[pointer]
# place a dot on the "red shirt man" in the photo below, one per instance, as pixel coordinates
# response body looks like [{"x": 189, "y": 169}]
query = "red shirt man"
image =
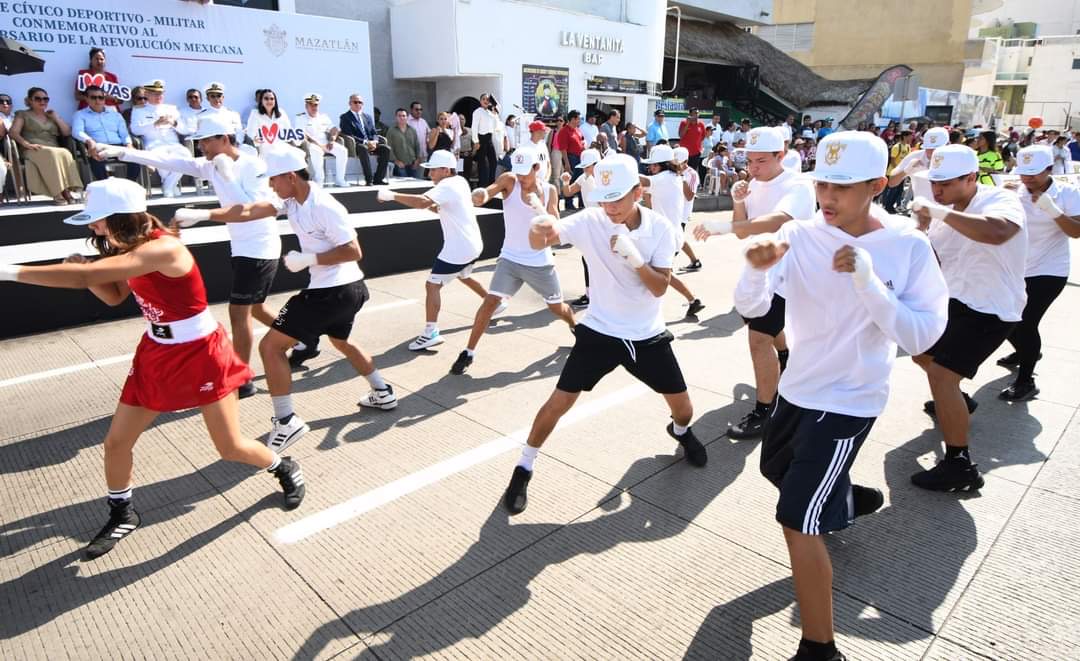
[
  {"x": 691, "y": 133},
  {"x": 570, "y": 139}
]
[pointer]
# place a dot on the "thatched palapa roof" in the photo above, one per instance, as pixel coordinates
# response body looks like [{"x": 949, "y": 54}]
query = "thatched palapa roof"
[{"x": 728, "y": 44}]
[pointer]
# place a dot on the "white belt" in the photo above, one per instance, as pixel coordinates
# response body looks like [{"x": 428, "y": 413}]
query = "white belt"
[{"x": 185, "y": 330}]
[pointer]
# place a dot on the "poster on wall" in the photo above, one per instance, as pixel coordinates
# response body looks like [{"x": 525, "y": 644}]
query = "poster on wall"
[
  {"x": 188, "y": 45},
  {"x": 545, "y": 91}
]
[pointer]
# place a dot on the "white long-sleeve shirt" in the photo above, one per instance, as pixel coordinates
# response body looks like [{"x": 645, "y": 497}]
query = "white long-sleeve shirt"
[
  {"x": 843, "y": 340},
  {"x": 257, "y": 239}
]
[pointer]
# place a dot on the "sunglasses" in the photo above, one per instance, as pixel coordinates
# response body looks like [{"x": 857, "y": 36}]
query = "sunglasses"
[
  {"x": 6, "y": 102},
  {"x": 140, "y": 98},
  {"x": 40, "y": 99},
  {"x": 96, "y": 97},
  {"x": 358, "y": 102}
]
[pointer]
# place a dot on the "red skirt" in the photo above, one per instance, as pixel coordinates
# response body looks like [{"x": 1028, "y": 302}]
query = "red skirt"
[{"x": 173, "y": 377}]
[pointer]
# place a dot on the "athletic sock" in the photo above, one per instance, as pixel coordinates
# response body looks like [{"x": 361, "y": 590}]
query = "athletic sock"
[
  {"x": 782, "y": 356},
  {"x": 431, "y": 329},
  {"x": 119, "y": 496},
  {"x": 299, "y": 346},
  {"x": 528, "y": 456},
  {"x": 762, "y": 408},
  {"x": 678, "y": 429},
  {"x": 470, "y": 352},
  {"x": 958, "y": 452},
  {"x": 274, "y": 464},
  {"x": 816, "y": 650},
  {"x": 283, "y": 408},
  {"x": 375, "y": 380}
]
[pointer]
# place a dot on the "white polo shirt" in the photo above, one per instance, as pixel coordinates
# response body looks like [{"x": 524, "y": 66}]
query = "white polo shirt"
[
  {"x": 620, "y": 305},
  {"x": 321, "y": 224},
  {"x": 843, "y": 341},
  {"x": 985, "y": 277},
  {"x": 462, "y": 242},
  {"x": 788, "y": 192},
  {"x": 667, "y": 199},
  {"x": 1048, "y": 246}
]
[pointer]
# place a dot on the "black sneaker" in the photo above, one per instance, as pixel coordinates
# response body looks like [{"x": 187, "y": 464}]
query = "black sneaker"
[
  {"x": 693, "y": 449},
  {"x": 694, "y": 265},
  {"x": 291, "y": 478},
  {"x": 462, "y": 363},
  {"x": 123, "y": 520},
  {"x": 931, "y": 409},
  {"x": 807, "y": 655},
  {"x": 955, "y": 474},
  {"x": 298, "y": 356},
  {"x": 516, "y": 498},
  {"x": 1012, "y": 361},
  {"x": 246, "y": 390},
  {"x": 580, "y": 302},
  {"x": 750, "y": 427},
  {"x": 695, "y": 306},
  {"x": 866, "y": 500},
  {"x": 1019, "y": 391}
]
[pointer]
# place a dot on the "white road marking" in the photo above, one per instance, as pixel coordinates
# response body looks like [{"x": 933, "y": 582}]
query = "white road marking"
[
  {"x": 376, "y": 498},
  {"x": 112, "y": 360}
]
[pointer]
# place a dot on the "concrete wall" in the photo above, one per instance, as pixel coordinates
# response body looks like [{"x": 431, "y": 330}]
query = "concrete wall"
[
  {"x": 1054, "y": 17},
  {"x": 859, "y": 40},
  {"x": 389, "y": 93},
  {"x": 1054, "y": 86}
]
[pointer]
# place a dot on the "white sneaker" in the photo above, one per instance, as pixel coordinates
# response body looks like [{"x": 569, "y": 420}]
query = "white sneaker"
[
  {"x": 426, "y": 342},
  {"x": 341, "y": 184},
  {"x": 380, "y": 399},
  {"x": 285, "y": 434},
  {"x": 499, "y": 310}
]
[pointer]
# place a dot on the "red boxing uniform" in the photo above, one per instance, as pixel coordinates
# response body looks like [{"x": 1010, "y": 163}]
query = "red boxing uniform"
[{"x": 169, "y": 373}]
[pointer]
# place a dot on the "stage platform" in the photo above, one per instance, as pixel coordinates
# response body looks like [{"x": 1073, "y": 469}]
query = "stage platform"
[{"x": 393, "y": 238}]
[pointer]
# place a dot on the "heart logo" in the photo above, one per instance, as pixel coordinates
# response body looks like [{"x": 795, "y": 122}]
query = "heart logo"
[
  {"x": 269, "y": 133},
  {"x": 87, "y": 80}
]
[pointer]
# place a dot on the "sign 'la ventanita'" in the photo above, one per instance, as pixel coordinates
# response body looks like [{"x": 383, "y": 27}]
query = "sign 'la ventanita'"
[{"x": 592, "y": 44}]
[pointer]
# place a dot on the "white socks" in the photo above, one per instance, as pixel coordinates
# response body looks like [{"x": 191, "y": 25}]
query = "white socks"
[
  {"x": 431, "y": 329},
  {"x": 470, "y": 352},
  {"x": 120, "y": 495},
  {"x": 528, "y": 456},
  {"x": 376, "y": 380},
  {"x": 282, "y": 406},
  {"x": 274, "y": 464},
  {"x": 678, "y": 429}
]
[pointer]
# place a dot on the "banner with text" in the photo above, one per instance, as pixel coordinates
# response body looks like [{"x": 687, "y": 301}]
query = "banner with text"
[{"x": 187, "y": 44}]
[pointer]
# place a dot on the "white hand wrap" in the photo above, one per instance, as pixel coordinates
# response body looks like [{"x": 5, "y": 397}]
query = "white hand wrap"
[
  {"x": 718, "y": 226},
  {"x": 188, "y": 217},
  {"x": 936, "y": 211},
  {"x": 864, "y": 269},
  {"x": 740, "y": 191},
  {"x": 298, "y": 261},
  {"x": 1048, "y": 206},
  {"x": 625, "y": 248},
  {"x": 9, "y": 272},
  {"x": 482, "y": 192},
  {"x": 544, "y": 217},
  {"x": 385, "y": 195}
]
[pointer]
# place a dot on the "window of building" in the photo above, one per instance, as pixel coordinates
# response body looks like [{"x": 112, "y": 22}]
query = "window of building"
[
  {"x": 1013, "y": 96},
  {"x": 788, "y": 37},
  {"x": 1076, "y": 64}
]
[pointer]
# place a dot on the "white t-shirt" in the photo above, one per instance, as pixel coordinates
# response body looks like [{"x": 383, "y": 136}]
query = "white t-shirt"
[
  {"x": 260, "y": 128},
  {"x": 985, "y": 277},
  {"x": 843, "y": 341},
  {"x": 321, "y": 224},
  {"x": 462, "y": 242},
  {"x": 517, "y": 220},
  {"x": 788, "y": 192},
  {"x": 792, "y": 161},
  {"x": 918, "y": 164},
  {"x": 667, "y": 199},
  {"x": 729, "y": 138},
  {"x": 620, "y": 305},
  {"x": 544, "y": 158},
  {"x": 589, "y": 133},
  {"x": 1048, "y": 246},
  {"x": 257, "y": 239},
  {"x": 691, "y": 177},
  {"x": 587, "y": 183}
]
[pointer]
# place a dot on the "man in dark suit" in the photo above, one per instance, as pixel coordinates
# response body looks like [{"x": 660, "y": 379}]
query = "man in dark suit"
[{"x": 358, "y": 124}]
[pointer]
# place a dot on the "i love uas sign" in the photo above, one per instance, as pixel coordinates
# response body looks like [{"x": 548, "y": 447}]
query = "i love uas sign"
[{"x": 84, "y": 80}]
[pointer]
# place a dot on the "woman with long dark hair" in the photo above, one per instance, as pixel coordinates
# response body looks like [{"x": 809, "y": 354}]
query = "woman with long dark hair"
[
  {"x": 990, "y": 160},
  {"x": 485, "y": 125},
  {"x": 95, "y": 68},
  {"x": 184, "y": 360},
  {"x": 263, "y": 118}
]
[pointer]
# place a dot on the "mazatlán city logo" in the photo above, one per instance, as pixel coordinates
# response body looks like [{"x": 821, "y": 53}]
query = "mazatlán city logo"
[
  {"x": 832, "y": 153},
  {"x": 275, "y": 42}
]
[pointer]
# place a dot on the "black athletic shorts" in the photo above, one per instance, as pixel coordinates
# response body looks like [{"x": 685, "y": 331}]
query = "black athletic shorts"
[
  {"x": 594, "y": 355},
  {"x": 327, "y": 311},
  {"x": 970, "y": 338},
  {"x": 807, "y": 455},
  {"x": 251, "y": 279},
  {"x": 772, "y": 323}
]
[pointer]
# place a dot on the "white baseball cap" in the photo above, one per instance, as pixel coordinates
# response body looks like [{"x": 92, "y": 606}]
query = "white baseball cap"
[
  {"x": 1034, "y": 159},
  {"x": 935, "y": 137},
  {"x": 523, "y": 159},
  {"x": 284, "y": 159},
  {"x": 848, "y": 157},
  {"x": 952, "y": 161},
  {"x": 764, "y": 139},
  {"x": 614, "y": 176},
  {"x": 589, "y": 157},
  {"x": 109, "y": 196},
  {"x": 680, "y": 154},
  {"x": 212, "y": 124},
  {"x": 440, "y": 159},
  {"x": 660, "y": 154}
]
